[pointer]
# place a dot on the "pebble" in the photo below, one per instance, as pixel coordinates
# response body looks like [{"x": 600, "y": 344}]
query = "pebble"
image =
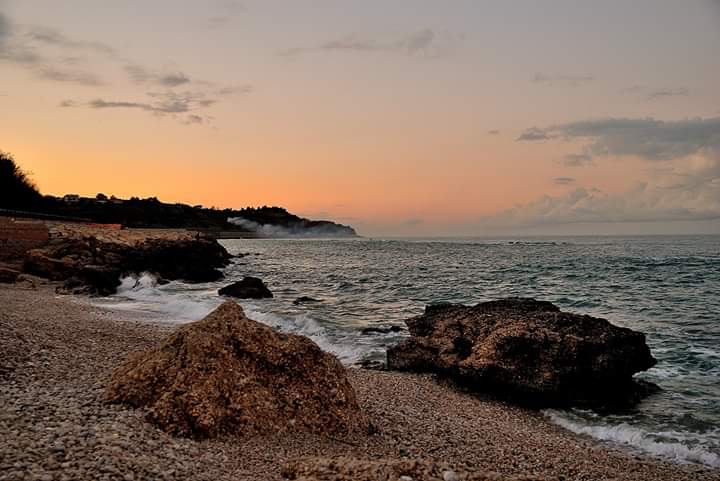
[{"x": 450, "y": 476}]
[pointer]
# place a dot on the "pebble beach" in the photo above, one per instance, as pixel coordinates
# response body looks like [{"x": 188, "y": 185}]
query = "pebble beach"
[{"x": 58, "y": 353}]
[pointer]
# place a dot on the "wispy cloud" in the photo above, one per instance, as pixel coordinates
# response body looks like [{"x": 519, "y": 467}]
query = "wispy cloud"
[
  {"x": 225, "y": 12},
  {"x": 53, "y": 37},
  {"x": 424, "y": 42},
  {"x": 80, "y": 77},
  {"x": 532, "y": 134},
  {"x": 141, "y": 75},
  {"x": 493, "y": 132},
  {"x": 652, "y": 93},
  {"x": 166, "y": 103},
  {"x": 21, "y": 47},
  {"x": 577, "y": 160},
  {"x": 562, "y": 80},
  {"x": 563, "y": 180},
  {"x": 53, "y": 56}
]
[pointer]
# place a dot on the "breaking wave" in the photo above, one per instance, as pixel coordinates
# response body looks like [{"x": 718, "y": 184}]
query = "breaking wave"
[{"x": 677, "y": 446}]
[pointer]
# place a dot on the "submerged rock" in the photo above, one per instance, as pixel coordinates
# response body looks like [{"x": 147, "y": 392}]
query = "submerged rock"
[
  {"x": 228, "y": 374},
  {"x": 305, "y": 300},
  {"x": 528, "y": 351},
  {"x": 248, "y": 288},
  {"x": 380, "y": 330},
  {"x": 352, "y": 469}
]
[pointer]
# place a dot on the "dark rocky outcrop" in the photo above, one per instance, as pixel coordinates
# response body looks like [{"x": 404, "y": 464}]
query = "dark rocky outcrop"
[
  {"x": 91, "y": 265},
  {"x": 247, "y": 288},
  {"x": 305, "y": 300},
  {"x": 8, "y": 275},
  {"x": 353, "y": 469},
  {"x": 380, "y": 330},
  {"x": 230, "y": 375},
  {"x": 528, "y": 351}
]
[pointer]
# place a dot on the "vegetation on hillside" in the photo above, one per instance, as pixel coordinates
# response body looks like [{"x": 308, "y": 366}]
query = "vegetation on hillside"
[{"x": 17, "y": 190}]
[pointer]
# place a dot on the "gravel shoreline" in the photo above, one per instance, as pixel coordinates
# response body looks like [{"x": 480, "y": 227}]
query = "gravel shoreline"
[{"x": 57, "y": 352}]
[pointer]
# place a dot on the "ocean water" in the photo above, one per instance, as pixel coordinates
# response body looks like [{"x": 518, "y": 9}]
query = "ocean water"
[{"x": 666, "y": 287}]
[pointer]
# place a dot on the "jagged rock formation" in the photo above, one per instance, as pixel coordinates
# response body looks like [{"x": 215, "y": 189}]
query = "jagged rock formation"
[
  {"x": 247, "y": 288},
  {"x": 90, "y": 264},
  {"x": 528, "y": 351},
  {"x": 386, "y": 469},
  {"x": 230, "y": 375}
]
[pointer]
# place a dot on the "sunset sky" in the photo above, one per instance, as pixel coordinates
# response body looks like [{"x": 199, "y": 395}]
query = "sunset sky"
[{"x": 399, "y": 118}]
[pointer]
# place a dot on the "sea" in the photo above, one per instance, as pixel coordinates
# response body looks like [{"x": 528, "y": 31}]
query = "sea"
[{"x": 665, "y": 286}]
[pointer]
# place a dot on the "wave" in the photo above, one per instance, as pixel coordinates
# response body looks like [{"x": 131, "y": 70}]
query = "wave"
[
  {"x": 180, "y": 303},
  {"x": 637, "y": 438}
]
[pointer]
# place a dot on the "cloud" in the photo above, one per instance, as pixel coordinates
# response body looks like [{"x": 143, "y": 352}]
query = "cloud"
[
  {"x": 424, "y": 42},
  {"x": 662, "y": 93},
  {"x": 562, "y": 80},
  {"x": 683, "y": 185},
  {"x": 165, "y": 103},
  {"x": 20, "y": 46},
  {"x": 174, "y": 79},
  {"x": 72, "y": 76},
  {"x": 532, "y": 134},
  {"x": 646, "y": 138},
  {"x": 412, "y": 222},
  {"x": 11, "y": 49},
  {"x": 417, "y": 41},
  {"x": 409, "y": 44},
  {"x": 577, "y": 160},
  {"x": 493, "y": 132},
  {"x": 690, "y": 192},
  {"x": 649, "y": 93},
  {"x": 105, "y": 104},
  {"x": 563, "y": 180},
  {"x": 227, "y": 11},
  {"x": 53, "y": 37},
  {"x": 193, "y": 119},
  {"x": 141, "y": 75}
]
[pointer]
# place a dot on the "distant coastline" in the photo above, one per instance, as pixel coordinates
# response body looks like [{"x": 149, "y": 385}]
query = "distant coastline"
[
  {"x": 150, "y": 213},
  {"x": 20, "y": 197}
]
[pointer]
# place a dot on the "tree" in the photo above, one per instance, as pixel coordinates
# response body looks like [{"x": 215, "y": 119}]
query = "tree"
[
  {"x": 101, "y": 196},
  {"x": 17, "y": 190}
]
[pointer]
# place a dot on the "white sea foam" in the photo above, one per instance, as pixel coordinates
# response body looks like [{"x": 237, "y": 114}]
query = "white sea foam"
[
  {"x": 181, "y": 303},
  {"x": 638, "y": 438},
  {"x": 347, "y": 350},
  {"x": 136, "y": 283}
]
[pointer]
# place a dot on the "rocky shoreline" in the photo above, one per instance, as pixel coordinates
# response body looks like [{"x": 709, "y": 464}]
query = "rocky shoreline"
[
  {"x": 91, "y": 260},
  {"x": 59, "y": 352}
]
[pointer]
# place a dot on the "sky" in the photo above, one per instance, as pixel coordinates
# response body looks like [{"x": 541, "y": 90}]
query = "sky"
[{"x": 403, "y": 118}]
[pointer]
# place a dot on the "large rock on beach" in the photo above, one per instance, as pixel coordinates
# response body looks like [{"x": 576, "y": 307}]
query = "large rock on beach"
[
  {"x": 528, "y": 351},
  {"x": 247, "y": 288},
  {"x": 230, "y": 375},
  {"x": 386, "y": 469}
]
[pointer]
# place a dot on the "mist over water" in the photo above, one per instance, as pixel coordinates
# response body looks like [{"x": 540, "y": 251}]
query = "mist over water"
[{"x": 666, "y": 287}]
